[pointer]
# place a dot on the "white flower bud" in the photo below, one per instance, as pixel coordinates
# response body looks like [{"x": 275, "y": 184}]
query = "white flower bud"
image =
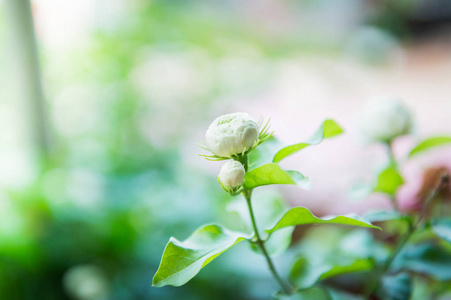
[
  {"x": 232, "y": 134},
  {"x": 384, "y": 119},
  {"x": 231, "y": 176}
]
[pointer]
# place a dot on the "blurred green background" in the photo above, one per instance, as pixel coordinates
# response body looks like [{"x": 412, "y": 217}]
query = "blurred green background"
[{"x": 98, "y": 156}]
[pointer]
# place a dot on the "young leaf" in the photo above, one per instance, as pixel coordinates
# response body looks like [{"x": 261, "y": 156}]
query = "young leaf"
[
  {"x": 301, "y": 216},
  {"x": 430, "y": 143},
  {"x": 389, "y": 181},
  {"x": 328, "y": 129},
  {"x": 181, "y": 261},
  {"x": 442, "y": 228},
  {"x": 273, "y": 174}
]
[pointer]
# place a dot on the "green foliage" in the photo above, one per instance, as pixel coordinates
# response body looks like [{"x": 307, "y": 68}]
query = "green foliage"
[
  {"x": 426, "y": 258},
  {"x": 302, "y": 216},
  {"x": 328, "y": 129},
  {"x": 316, "y": 293},
  {"x": 181, "y": 261},
  {"x": 442, "y": 228},
  {"x": 274, "y": 174},
  {"x": 430, "y": 143},
  {"x": 326, "y": 253},
  {"x": 389, "y": 181},
  {"x": 383, "y": 216},
  {"x": 305, "y": 272},
  {"x": 396, "y": 287},
  {"x": 393, "y": 223}
]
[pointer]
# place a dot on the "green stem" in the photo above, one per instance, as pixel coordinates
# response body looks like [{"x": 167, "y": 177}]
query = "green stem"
[
  {"x": 393, "y": 163},
  {"x": 243, "y": 160},
  {"x": 412, "y": 228},
  {"x": 391, "y": 155},
  {"x": 261, "y": 244}
]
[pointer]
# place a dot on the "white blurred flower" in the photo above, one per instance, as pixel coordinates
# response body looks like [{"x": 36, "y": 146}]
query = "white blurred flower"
[
  {"x": 374, "y": 46},
  {"x": 86, "y": 282},
  {"x": 232, "y": 134},
  {"x": 384, "y": 119},
  {"x": 231, "y": 176}
]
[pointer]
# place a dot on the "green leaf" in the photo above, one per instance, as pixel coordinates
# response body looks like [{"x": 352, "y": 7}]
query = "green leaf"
[
  {"x": 396, "y": 287},
  {"x": 328, "y": 129},
  {"x": 442, "y": 228},
  {"x": 301, "y": 216},
  {"x": 389, "y": 181},
  {"x": 342, "y": 295},
  {"x": 316, "y": 293},
  {"x": 274, "y": 174},
  {"x": 430, "y": 143},
  {"x": 358, "y": 243},
  {"x": 426, "y": 258},
  {"x": 306, "y": 273},
  {"x": 395, "y": 224},
  {"x": 181, "y": 261}
]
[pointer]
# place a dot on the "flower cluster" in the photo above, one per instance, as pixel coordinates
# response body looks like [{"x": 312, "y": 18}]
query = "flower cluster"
[{"x": 233, "y": 136}]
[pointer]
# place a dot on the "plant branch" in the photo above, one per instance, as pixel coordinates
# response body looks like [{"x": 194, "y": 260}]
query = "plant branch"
[
  {"x": 261, "y": 244},
  {"x": 412, "y": 228}
]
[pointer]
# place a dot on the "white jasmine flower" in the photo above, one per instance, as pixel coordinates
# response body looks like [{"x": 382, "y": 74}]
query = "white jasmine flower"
[
  {"x": 231, "y": 176},
  {"x": 384, "y": 119},
  {"x": 86, "y": 282},
  {"x": 232, "y": 134}
]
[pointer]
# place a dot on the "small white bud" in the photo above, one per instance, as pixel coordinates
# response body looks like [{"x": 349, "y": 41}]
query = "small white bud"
[
  {"x": 384, "y": 119},
  {"x": 232, "y": 134},
  {"x": 231, "y": 176}
]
